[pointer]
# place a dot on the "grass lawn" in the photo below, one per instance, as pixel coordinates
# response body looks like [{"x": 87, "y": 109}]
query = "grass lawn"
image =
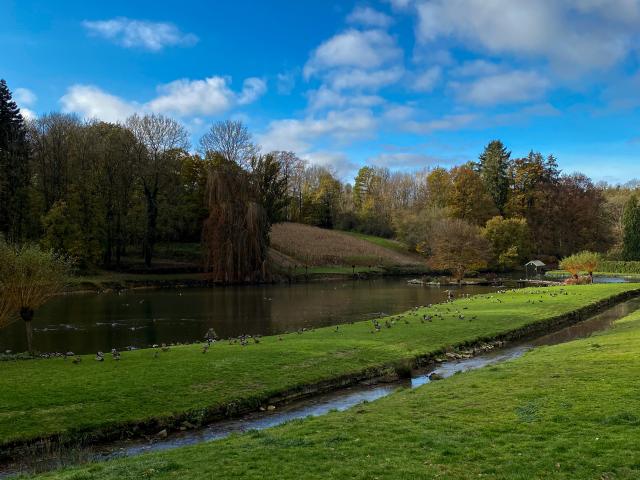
[
  {"x": 570, "y": 411},
  {"x": 44, "y": 397},
  {"x": 382, "y": 242}
]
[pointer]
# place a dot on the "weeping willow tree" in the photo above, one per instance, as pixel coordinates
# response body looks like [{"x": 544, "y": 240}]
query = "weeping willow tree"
[
  {"x": 236, "y": 233},
  {"x": 29, "y": 276}
]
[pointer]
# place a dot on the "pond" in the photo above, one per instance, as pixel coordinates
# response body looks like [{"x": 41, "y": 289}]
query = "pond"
[{"x": 87, "y": 323}]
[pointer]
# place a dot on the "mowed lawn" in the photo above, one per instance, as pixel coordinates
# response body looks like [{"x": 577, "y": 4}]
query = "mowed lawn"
[
  {"x": 569, "y": 411},
  {"x": 45, "y": 397}
]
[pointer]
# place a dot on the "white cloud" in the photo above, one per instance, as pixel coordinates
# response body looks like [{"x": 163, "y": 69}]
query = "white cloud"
[
  {"x": 24, "y": 96},
  {"x": 400, "y": 4},
  {"x": 143, "y": 34},
  {"x": 404, "y": 160},
  {"x": 299, "y": 134},
  {"x": 184, "y": 97},
  {"x": 325, "y": 97},
  {"x": 354, "y": 49},
  {"x": 447, "y": 122},
  {"x": 286, "y": 82},
  {"x": 337, "y": 162},
  {"x": 369, "y": 17},
  {"x": 27, "y": 113},
  {"x": 427, "y": 80},
  {"x": 571, "y": 34},
  {"x": 187, "y": 97},
  {"x": 91, "y": 102},
  {"x": 475, "y": 68},
  {"x": 510, "y": 87},
  {"x": 523, "y": 115},
  {"x": 357, "y": 78},
  {"x": 398, "y": 113},
  {"x": 252, "y": 89}
]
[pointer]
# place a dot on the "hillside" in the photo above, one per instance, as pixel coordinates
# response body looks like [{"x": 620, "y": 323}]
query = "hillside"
[{"x": 317, "y": 247}]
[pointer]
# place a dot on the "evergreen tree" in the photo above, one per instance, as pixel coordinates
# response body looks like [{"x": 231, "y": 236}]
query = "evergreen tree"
[
  {"x": 631, "y": 236},
  {"x": 14, "y": 172},
  {"x": 493, "y": 167}
]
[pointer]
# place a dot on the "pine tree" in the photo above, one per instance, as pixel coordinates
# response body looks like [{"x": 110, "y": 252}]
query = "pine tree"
[
  {"x": 493, "y": 167},
  {"x": 14, "y": 170},
  {"x": 631, "y": 235}
]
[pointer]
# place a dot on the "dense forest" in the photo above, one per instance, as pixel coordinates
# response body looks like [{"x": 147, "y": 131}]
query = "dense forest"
[{"x": 101, "y": 192}]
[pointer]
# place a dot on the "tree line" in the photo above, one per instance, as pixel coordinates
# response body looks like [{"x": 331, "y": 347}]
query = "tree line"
[{"x": 103, "y": 192}]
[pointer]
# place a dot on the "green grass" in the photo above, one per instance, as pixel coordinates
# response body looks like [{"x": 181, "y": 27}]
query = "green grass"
[
  {"x": 45, "y": 397},
  {"x": 570, "y": 411},
  {"x": 382, "y": 242}
]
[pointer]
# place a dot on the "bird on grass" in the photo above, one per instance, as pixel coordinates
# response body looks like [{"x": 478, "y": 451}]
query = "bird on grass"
[
  {"x": 99, "y": 357},
  {"x": 115, "y": 354},
  {"x": 211, "y": 335}
]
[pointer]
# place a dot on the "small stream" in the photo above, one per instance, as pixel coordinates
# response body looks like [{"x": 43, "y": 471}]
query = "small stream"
[{"x": 321, "y": 404}]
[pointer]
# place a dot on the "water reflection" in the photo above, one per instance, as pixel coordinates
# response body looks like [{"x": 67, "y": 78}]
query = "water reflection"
[{"x": 92, "y": 322}]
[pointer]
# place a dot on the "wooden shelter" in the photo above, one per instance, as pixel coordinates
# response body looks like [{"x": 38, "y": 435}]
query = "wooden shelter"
[{"x": 537, "y": 265}]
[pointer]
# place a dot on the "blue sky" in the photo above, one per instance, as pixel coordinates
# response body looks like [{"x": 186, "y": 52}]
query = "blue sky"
[{"x": 405, "y": 84}]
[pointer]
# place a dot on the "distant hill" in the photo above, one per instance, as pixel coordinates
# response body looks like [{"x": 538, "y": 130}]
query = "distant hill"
[{"x": 298, "y": 244}]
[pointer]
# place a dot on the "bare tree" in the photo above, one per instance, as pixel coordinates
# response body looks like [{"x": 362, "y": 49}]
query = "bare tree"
[
  {"x": 231, "y": 140},
  {"x": 159, "y": 141}
]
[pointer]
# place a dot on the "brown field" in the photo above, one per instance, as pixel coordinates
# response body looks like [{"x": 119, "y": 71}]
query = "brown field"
[{"x": 314, "y": 246}]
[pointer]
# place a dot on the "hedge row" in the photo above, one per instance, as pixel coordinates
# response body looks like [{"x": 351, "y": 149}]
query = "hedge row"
[{"x": 619, "y": 267}]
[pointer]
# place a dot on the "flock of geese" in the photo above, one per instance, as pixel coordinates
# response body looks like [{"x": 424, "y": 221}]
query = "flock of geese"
[{"x": 438, "y": 311}]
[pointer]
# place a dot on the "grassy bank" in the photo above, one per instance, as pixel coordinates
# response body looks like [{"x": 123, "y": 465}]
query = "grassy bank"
[
  {"x": 41, "y": 398},
  {"x": 565, "y": 412}
]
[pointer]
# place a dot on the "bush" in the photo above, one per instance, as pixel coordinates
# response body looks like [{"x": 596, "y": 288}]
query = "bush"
[{"x": 581, "y": 262}]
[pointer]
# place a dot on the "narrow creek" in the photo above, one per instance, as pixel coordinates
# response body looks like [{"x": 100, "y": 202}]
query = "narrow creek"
[{"x": 316, "y": 406}]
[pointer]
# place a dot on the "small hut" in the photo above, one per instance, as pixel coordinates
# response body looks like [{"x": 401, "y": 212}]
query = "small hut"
[{"x": 536, "y": 265}]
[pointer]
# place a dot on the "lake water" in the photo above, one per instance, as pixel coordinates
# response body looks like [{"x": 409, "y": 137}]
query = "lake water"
[{"x": 86, "y": 323}]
